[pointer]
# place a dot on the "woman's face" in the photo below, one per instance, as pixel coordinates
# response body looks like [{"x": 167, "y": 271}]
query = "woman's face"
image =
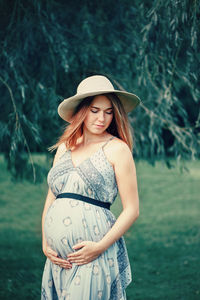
[{"x": 99, "y": 115}]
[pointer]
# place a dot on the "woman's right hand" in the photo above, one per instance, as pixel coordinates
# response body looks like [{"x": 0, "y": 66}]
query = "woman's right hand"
[{"x": 53, "y": 256}]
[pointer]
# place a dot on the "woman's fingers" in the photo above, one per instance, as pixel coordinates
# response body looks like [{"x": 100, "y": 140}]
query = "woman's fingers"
[
  {"x": 53, "y": 256},
  {"x": 52, "y": 252},
  {"x": 65, "y": 266},
  {"x": 60, "y": 261},
  {"x": 75, "y": 255},
  {"x": 88, "y": 252},
  {"x": 75, "y": 259},
  {"x": 85, "y": 253},
  {"x": 80, "y": 260},
  {"x": 79, "y": 246}
]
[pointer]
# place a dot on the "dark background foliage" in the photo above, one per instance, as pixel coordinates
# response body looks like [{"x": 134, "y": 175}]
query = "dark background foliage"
[{"x": 146, "y": 47}]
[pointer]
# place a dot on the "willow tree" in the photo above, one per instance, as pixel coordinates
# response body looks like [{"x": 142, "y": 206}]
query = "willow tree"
[{"x": 149, "y": 48}]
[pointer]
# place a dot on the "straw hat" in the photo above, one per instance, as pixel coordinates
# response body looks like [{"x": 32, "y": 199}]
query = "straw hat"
[{"x": 92, "y": 86}]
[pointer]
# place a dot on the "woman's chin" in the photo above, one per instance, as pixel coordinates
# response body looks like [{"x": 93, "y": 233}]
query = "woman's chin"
[{"x": 98, "y": 130}]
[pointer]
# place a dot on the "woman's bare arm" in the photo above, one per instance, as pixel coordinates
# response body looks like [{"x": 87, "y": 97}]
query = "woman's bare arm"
[
  {"x": 52, "y": 255},
  {"x": 125, "y": 173},
  {"x": 122, "y": 160},
  {"x": 49, "y": 200}
]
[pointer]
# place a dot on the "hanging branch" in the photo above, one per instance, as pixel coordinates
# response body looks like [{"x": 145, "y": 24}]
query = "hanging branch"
[{"x": 18, "y": 126}]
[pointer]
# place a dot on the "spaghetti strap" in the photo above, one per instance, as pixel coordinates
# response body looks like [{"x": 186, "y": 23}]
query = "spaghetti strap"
[{"x": 112, "y": 137}]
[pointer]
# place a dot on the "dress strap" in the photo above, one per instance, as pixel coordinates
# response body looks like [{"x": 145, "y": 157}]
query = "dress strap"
[{"x": 112, "y": 137}]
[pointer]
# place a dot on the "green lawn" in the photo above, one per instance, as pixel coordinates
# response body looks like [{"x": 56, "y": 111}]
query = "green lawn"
[{"x": 163, "y": 245}]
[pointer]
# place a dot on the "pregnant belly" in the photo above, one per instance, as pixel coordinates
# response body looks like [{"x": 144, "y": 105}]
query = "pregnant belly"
[{"x": 70, "y": 221}]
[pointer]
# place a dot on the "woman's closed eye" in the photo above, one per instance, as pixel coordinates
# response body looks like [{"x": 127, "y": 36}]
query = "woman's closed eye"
[
  {"x": 109, "y": 112},
  {"x": 96, "y": 111}
]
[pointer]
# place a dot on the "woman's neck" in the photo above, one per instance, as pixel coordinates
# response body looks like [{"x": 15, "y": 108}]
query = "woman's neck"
[{"x": 90, "y": 138}]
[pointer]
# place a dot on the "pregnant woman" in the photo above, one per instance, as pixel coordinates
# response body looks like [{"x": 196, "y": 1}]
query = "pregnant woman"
[{"x": 86, "y": 253}]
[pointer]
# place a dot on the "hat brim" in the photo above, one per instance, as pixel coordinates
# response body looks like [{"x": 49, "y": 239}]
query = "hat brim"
[{"x": 67, "y": 107}]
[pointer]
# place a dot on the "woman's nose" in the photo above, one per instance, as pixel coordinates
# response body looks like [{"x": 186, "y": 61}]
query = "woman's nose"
[{"x": 101, "y": 116}]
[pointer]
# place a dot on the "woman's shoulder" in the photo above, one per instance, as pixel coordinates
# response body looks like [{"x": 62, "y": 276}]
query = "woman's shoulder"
[
  {"x": 117, "y": 144},
  {"x": 117, "y": 149},
  {"x": 60, "y": 151}
]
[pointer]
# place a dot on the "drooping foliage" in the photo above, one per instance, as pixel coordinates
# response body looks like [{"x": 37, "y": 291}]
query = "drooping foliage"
[{"x": 146, "y": 47}]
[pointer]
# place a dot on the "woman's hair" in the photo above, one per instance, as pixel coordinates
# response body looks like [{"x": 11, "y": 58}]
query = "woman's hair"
[{"x": 119, "y": 126}]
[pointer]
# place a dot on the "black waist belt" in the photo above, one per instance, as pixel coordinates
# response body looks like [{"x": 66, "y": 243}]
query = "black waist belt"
[{"x": 84, "y": 199}]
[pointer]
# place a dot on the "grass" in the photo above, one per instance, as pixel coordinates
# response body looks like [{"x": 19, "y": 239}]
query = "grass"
[{"x": 163, "y": 244}]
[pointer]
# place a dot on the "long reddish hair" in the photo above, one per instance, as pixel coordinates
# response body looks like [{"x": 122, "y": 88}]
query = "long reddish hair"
[{"x": 119, "y": 126}]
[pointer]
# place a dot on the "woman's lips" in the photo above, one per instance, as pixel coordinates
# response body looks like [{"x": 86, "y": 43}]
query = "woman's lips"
[{"x": 99, "y": 126}]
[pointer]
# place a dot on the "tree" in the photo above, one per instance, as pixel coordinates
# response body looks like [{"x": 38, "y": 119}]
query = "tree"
[{"x": 149, "y": 48}]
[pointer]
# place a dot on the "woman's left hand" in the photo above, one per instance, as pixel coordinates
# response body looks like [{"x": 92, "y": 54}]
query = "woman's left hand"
[{"x": 86, "y": 252}]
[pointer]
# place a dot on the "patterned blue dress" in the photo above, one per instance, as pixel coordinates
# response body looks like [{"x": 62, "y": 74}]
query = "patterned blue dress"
[{"x": 70, "y": 221}]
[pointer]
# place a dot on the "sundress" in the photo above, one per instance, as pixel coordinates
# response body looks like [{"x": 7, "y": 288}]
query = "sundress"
[{"x": 70, "y": 221}]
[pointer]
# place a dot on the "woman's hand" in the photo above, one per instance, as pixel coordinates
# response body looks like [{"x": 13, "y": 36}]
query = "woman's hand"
[
  {"x": 53, "y": 256},
  {"x": 87, "y": 252}
]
